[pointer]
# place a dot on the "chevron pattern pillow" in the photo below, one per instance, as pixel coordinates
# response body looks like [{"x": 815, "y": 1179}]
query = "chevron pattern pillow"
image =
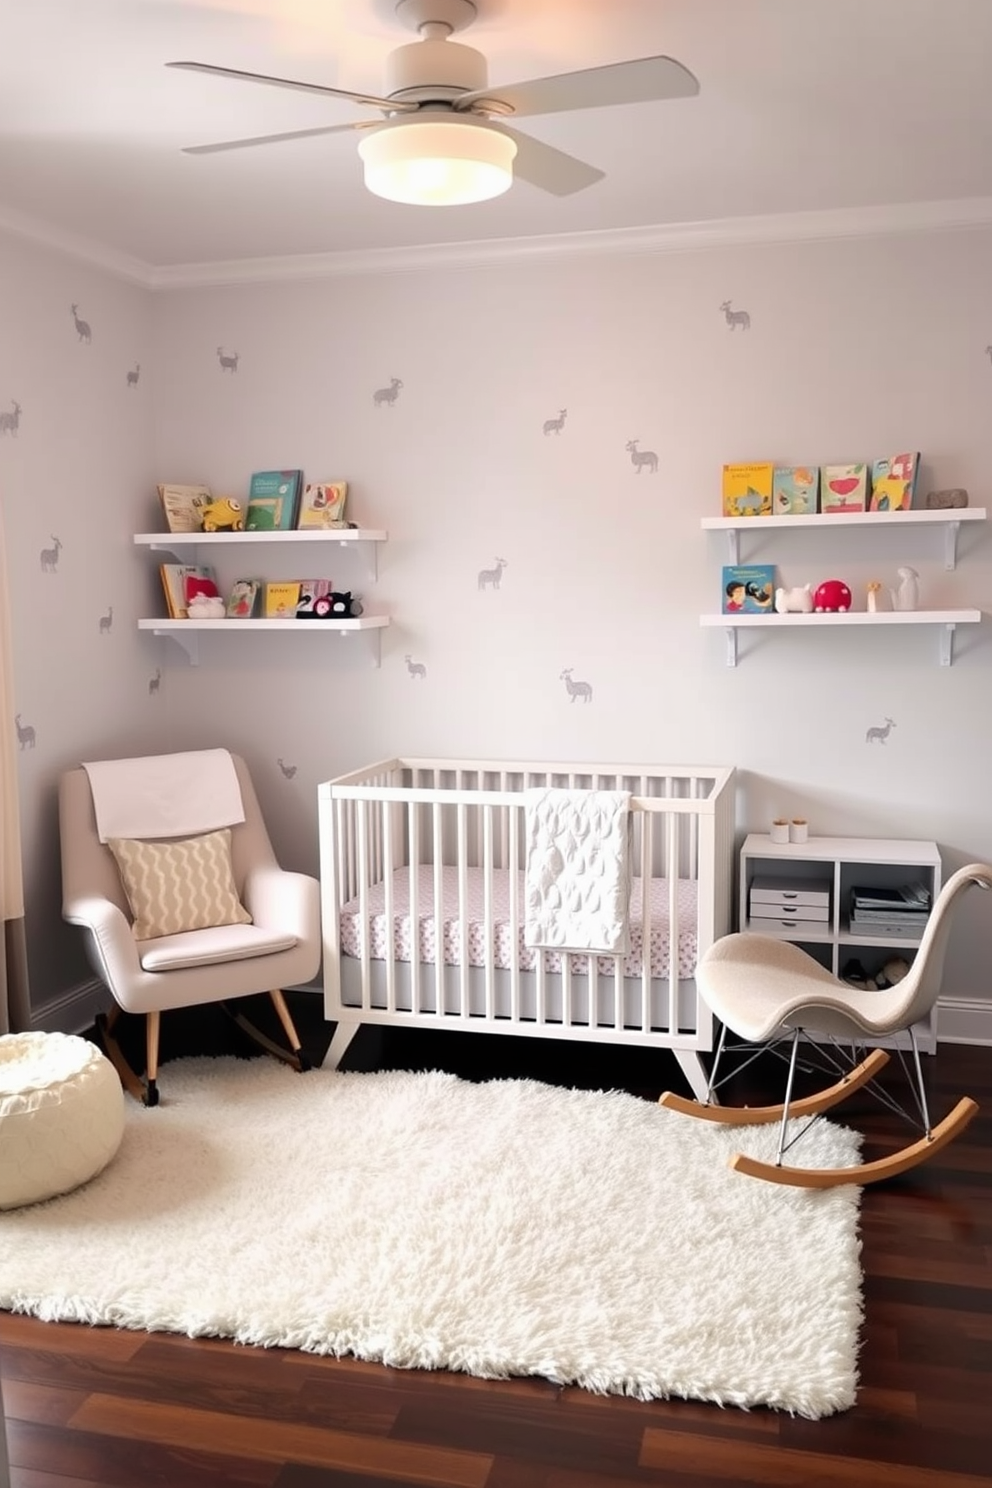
[{"x": 180, "y": 885}]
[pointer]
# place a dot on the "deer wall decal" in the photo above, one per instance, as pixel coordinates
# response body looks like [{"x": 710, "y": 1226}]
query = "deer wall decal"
[
  {"x": 228, "y": 361},
  {"x": 416, "y": 668},
  {"x": 489, "y": 578},
  {"x": 49, "y": 557},
  {"x": 10, "y": 422},
  {"x": 576, "y": 689},
  {"x": 82, "y": 326},
  {"x": 133, "y": 375},
  {"x": 878, "y": 735},
  {"x": 735, "y": 318},
  {"x": 555, "y": 425},
  {"x": 642, "y": 459},
  {"x": 25, "y": 733},
  {"x": 385, "y": 397}
]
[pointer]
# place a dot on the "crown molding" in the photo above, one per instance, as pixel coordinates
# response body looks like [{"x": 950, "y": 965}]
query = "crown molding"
[
  {"x": 72, "y": 245},
  {"x": 678, "y": 237}
]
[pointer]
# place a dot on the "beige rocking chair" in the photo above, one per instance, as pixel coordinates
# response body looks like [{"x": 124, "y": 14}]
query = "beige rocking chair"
[
  {"x": 766, "y": 990},
  {"x": 280, "y": 947}
]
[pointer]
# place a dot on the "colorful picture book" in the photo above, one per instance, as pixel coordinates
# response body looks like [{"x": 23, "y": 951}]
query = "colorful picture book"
[
  {"x": 322, "y": 504},
  {"x": 795, "y": 490},
  {"x": 314, "y": 601},
  {"x": 844, "y": 488},
  {"x": 281, "y": 599},
  {"x": 748, "y": 589},
  {"x": 893, "y": 483},
  {"x": 182, "y": 506},
  {"x": 178, "y": 578},
  {"x": 273, "y": 500},
  {"x": 244, "y": 599},
  {"x": 747, "y": 490}
]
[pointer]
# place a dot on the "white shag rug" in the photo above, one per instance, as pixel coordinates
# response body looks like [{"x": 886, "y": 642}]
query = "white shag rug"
[{"x": 507, "y": 1228}]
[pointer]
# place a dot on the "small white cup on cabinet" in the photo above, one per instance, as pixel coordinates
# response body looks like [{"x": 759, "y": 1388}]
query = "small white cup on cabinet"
[
  {"x": 779, "y": 830},
  {"x": 798, "y": 829}
]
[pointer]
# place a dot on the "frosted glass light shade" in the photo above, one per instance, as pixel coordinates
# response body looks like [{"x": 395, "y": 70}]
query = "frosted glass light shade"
[{"x": 437, "y": 163}]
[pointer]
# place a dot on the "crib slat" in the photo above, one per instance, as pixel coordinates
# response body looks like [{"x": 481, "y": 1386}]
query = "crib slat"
[
  {"x": 363, "y": 900},
  {"x": 462, "y": 839},
  {"x": 674, "y": 928},
  {"x": 488, "y": 913},
  {"x": 385, "y": 821},
  {"x": 514, "y": 815},
  {"x": 647, "y": 843},
  {"x": 439, "y": 911},
  {"x": 413, "y": 849}
]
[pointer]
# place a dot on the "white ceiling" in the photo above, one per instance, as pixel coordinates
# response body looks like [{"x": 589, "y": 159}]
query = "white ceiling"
[{"x": 803, "y": 105}]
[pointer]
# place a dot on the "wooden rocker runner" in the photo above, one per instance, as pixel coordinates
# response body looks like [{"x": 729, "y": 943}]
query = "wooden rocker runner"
[{"x": 766, "y": 990}]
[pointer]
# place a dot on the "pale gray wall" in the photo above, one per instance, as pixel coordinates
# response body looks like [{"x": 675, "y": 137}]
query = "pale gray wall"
[{"x": 856, "y": 348}]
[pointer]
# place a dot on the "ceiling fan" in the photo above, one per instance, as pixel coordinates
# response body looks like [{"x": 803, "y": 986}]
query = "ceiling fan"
[{"x": 443, "y": 138}]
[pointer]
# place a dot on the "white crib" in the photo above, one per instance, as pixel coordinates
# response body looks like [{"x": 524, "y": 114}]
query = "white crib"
[{"x": 422, "y": 865}]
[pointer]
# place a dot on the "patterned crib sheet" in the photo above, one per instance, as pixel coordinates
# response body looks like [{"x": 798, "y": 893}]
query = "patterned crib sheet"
[{"x": 660, "y": 948}]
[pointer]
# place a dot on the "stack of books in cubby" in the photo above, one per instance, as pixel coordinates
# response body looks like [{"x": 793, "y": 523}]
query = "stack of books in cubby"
[{"x": 890, "y": 912}]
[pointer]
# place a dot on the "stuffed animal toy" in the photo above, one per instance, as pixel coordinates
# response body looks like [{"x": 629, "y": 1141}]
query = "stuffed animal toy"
[{"x": 334, "y": 606}]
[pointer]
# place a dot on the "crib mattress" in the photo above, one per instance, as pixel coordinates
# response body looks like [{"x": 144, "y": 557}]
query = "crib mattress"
[{"x": 503, "y": 951}]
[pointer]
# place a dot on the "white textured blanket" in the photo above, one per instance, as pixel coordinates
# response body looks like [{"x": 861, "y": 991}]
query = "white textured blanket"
[
  {"x": 577, "y": 878},
  {"x": 165, "y": 795}
]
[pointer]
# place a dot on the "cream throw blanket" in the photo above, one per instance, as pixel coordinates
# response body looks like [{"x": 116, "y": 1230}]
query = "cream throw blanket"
[
  {"x": 165, "y": 795},
  {"x": 577, "y": 878}
]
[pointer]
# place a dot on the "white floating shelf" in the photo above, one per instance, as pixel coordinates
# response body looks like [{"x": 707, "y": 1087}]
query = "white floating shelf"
[
  {"x": 945, "y": 619},
  {"x": 173, "y": 540},
  {"x": 949, "y": 518},
  {"x": 185, "y": 631}
]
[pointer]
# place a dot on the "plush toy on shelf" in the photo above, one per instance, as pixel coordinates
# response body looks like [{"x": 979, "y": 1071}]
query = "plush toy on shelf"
[
  {"x": 797, "y": 600},
  {"x": 833, "y": 596}
]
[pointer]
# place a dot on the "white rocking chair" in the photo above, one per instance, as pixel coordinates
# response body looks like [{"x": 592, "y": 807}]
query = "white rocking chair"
[{"x": 766, "y": 990}]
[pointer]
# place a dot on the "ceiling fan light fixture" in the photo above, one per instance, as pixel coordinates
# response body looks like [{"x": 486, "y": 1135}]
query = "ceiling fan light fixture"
[{"x": 437, "y": 162}]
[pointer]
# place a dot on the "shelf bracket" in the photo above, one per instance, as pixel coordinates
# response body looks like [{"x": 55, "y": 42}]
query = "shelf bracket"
[
  {"x": 946, "y": 645},
  {"x": 188, "y": 643},
  {"x": 951, "y": 544},
  {"x": 733, "y": 548},
  {"x": 731, "y": 635},
  {"x": 371, "y": 557}
]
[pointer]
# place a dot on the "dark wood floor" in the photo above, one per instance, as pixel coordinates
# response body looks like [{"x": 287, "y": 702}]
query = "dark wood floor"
[{"x": 124, "y": 1410}]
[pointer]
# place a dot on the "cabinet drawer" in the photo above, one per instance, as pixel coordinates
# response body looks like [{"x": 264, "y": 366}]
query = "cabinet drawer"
[
  {"x": 782, "y": 891},
  {"x": 816, "y": 912},
  {"x": 791, "y": 929}
]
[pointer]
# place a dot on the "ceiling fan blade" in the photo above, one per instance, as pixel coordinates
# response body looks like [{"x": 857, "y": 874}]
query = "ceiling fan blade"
[
  {"x": 550, "y": 169},
  {"x": 392, "y": 107},
  {"x": 645, "y": 80},
  {"x": 275, "y": 139}
]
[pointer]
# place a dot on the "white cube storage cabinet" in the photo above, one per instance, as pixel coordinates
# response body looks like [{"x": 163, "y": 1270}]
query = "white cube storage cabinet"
[{"x": 802, "y": 892}]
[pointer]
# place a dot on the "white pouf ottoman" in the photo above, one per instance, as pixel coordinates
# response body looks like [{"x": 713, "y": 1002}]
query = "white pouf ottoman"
[{"x": 61, "y": 1115}]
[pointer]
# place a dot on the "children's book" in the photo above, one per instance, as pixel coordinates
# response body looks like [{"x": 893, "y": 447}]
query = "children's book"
[
  {"x": 273, "y": 498},
  {"x": 322, "y": 504},
  {"x": 844, "y": 488},
  {"x": 176, "y": 579},
  {"x": 749, "y": 589},
  {"x": 747, "y": 490},
  {"x": 893, "y": 483},
  {"x": 795, "y": 490},
  {"x": 281, "y": 600},
  {"x": 243, "y": 600},
  {"x": 183, "y": 505},
  {"x": 314, "y": 601}
]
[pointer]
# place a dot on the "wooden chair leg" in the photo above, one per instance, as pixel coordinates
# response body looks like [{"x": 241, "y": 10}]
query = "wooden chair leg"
[
  {"x": 810, "y": 1105},
  {"x": 294, "y": 1055},
  {"x": 130, "y": 1080},
  {"x": 289, "y": 1027},
  {"x": 152, "y": 1025}
]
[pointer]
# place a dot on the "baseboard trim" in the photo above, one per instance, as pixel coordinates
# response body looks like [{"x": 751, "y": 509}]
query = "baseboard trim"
[
  {"x": 960, "y": 1020},
  {"x": 73, "y": 1011},
  {"x": 964, "y": 1020}
]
